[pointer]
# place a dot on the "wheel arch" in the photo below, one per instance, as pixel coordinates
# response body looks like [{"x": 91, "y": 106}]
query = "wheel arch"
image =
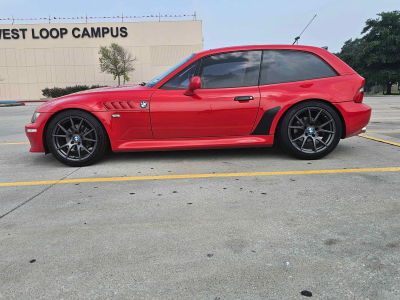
[
  {"x": 45, "y": 146},
  {"x": 343, "y": 123}
]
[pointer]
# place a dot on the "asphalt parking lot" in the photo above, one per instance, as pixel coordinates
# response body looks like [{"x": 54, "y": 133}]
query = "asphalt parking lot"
[{"x": 235, "y": 224}]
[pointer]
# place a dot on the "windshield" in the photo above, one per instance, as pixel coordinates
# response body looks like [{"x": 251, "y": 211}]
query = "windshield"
[{"x": 169, "y": 71}]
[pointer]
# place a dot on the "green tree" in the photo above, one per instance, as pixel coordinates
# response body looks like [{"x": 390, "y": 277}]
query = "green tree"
[
  {"x": 352, "y": 53},
  {"x": 117, "y": 61},
  {"x": 376, "y": 55},
  {"x": 126, "y": 58}
]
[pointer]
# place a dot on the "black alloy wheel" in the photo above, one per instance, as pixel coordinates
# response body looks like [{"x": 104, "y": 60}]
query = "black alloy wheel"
[
  {"x": 310, "y": 130},
  {"x": 76, "y": 138}
]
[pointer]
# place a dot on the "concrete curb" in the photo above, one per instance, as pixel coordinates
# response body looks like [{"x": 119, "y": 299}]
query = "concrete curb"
[{"x": 11, "y": 104}]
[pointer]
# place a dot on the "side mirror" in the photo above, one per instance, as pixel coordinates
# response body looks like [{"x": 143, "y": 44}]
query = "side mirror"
[{"x": 194, "y": 84}]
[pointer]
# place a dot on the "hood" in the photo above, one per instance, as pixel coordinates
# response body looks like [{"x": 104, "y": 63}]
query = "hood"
[
  {"x": 106, "y": 89},
  {"x": 92, "y": 100},
  {"x": 111, "y": 89}
]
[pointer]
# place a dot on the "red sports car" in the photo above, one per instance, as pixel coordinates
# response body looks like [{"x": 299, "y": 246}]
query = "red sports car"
[{"x": 230, "y": 97}]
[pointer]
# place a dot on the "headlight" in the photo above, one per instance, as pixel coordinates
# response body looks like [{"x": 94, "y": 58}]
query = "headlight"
[{"x": 34, "y": 117}]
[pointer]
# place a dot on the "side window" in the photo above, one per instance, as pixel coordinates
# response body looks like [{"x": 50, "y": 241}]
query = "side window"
[
  {"x": 234, "y": 69},
  {"x": 181, "y": 80},
  {"x": 287, "y": 66}
]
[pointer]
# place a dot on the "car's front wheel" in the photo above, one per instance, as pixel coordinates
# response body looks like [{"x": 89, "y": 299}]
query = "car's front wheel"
[
  {"x": 76, "y": 138},
  {"x": 310, "y": 130}
]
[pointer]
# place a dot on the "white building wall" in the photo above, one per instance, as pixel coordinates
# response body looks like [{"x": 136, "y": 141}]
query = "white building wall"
[{"x": 29, "y": 65}]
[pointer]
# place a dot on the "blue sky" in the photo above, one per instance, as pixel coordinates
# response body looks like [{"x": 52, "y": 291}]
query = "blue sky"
[{"x": 231, "y": 22}]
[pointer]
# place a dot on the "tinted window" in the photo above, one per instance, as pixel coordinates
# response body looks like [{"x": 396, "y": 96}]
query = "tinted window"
[
  {"x": 234, "y": 69},
  {"x": 181, "y": 80},
  {"x": 288, "y": 65}
]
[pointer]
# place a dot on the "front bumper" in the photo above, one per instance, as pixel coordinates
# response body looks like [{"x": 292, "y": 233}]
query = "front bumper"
[
  {"x": 356, "y": 116},
  {"x": 34, "y": 132}
]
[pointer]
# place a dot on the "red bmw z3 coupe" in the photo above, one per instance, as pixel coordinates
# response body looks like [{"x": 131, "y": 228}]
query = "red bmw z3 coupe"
[{"x": 246, "y": 96}]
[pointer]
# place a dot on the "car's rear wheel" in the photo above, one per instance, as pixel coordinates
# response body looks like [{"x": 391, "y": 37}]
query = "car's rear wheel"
[
  {"x": 76, "y": 138},
  {"x": 310, "y": 130}
]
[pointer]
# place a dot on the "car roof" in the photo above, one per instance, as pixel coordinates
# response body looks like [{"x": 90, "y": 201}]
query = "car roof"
[{"x": 258, "y": 47}]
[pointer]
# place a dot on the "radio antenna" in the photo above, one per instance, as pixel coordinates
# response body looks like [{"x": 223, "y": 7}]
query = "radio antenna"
[{"x": 297, "y": 38}]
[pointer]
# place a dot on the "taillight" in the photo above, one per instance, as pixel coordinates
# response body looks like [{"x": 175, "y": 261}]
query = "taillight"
[{"x": 359, "y": 95}]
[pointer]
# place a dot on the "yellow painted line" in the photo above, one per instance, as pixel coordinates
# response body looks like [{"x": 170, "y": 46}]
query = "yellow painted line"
[
  {"x": 387, "y": 131},
  {"x": 21, "y": 143},
  {"x": 191, "y": 176},
  {"x": 379, "y": 140}
]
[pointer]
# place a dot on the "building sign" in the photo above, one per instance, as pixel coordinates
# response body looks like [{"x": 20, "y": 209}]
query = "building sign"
[{"x": 59, "y": 33}]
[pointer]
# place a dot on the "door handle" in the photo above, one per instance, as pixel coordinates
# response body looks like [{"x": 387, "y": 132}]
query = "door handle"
[{"x": 244, "y": 98}]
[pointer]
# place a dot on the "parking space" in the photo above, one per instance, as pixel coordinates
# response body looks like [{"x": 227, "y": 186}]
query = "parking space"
[{"x": 209, "y": 224}]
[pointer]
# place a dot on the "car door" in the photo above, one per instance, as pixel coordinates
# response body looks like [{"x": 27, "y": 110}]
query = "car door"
[{"x": 226, "y": 105}]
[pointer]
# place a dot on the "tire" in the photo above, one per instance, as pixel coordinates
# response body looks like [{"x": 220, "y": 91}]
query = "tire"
[
  {"x": 310, "y": 130},
  {"x": 76, "y": 138}
]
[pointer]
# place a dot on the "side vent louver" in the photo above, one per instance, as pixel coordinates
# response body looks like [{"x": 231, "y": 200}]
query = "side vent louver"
[{"x": 120, "y": 105}]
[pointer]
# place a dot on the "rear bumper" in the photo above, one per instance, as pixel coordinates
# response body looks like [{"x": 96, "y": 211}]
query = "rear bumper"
[
  {"x": 356, "y": 116},
  {"x": 34, "y": 132}
]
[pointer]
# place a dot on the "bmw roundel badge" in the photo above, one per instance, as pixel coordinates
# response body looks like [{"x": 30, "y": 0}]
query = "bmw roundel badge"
[{"x": 143, "y": 104}]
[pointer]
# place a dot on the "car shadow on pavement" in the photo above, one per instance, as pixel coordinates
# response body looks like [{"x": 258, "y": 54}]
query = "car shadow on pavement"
[{"x": 275, "y": 152}]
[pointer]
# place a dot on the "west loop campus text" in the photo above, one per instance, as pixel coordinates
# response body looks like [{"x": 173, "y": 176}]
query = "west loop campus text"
[{"x": 55, "y": 33}]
